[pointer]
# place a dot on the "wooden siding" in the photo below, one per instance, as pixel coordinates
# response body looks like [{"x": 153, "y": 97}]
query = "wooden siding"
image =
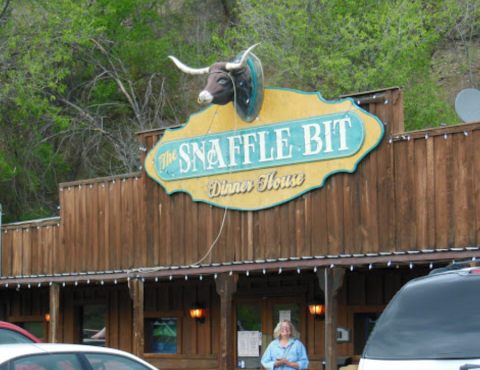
[{"x": 411, "y": 193}]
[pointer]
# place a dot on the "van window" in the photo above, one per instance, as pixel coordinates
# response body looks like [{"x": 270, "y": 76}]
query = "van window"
[{"x": 435, "y": 317}]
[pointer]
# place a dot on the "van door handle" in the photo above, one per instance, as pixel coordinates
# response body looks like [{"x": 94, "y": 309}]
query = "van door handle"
[{"x": 469, "y": 366}]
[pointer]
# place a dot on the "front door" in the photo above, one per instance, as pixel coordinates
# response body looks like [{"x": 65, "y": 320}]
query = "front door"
[{"x": 256, "y": 320}]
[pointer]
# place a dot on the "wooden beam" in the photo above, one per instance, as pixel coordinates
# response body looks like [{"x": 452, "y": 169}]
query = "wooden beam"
[
  {"x": 331, "y": 280},
  {"x": 424, "y": 257},
  {"x": 226, "y": 286},
  {"x": 54, "y": 325},
  {"x": 137, "y": 295}
]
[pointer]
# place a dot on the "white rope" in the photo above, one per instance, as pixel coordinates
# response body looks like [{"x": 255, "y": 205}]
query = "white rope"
[{"x": 228, "y": 196}]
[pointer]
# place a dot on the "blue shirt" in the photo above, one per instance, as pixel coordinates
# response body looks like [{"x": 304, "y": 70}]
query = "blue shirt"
[{"x": 297, "y": 353}]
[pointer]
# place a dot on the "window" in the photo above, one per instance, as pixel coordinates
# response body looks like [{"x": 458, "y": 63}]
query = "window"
[
  {"x": 249, "y": 319},
  {"x": 57, "y": 361},
  {"x": 93, "y": 327},
  {"x": 34, "y": 327},
  {"x": 10, "y": 336},
  {"x": 292, "y": 312},
  {"x": 161, "y": 335},
  {"x": 434, "y": 317},
  {"x": 113, "y": 362},
  {"x": 364, "y": 323}
]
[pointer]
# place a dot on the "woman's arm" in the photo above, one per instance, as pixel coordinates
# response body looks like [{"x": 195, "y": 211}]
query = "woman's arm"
[
  {"x": 267, "y": 361},
  {"x": 302, "y": 362}
]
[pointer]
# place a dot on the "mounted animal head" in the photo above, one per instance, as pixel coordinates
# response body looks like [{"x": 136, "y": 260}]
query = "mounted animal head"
[{"x": 231, "y": 82}]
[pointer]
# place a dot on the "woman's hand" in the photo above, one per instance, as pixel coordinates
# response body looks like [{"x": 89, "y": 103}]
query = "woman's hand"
[
  {"x": 280, "y": 362},
  {"x": 283, "y": 361}
]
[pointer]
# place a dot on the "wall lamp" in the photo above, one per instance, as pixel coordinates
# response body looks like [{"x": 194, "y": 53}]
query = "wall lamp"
[
  {"x": 198, "y": 313},
  {"x": 317, "y": 309}
]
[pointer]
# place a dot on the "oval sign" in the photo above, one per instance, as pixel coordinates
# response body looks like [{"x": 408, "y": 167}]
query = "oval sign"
[{"x": 295, "y": 143}]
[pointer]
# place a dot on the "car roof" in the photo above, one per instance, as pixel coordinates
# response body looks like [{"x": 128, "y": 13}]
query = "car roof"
[
  {"x": 10, "y": 351},
  {"x": 18, "y": 329}
]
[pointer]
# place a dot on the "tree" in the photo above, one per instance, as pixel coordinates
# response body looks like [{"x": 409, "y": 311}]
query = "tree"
[{"x": 340, "y": 47}]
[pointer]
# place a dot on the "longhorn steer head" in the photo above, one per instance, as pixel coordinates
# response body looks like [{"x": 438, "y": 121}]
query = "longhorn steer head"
[{"x": 222, "y": 79}]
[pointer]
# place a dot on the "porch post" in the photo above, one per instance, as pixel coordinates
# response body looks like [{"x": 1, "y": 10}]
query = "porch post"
[
  {"x": 54, "y": 324},
  {"x": 226, "y": 286},
  {"x": 137, "y": 295},
  {"x": 331, "y": 280}
]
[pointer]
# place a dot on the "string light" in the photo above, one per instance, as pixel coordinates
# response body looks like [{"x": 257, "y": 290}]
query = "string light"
[
  {"x": 280, "y": 270},
  {"x": 156, "y": 279},
  {"x": 332, "y": 265},
  {"x": 370, "y": 266},
  {"x": 389, "y": 263},
  {"x": 351, "y": 267},
  {"x": 431, "y": 265},
  {"x": 411, "y": 265},
  {"x": 247, "y": 273},
  {"x": 170, "y": 277},
  {"x": 201, "y": 277},
  {"x": 264, "y": 271},
  {"x": 186, "y": 277},
  {"x": 298, "y": 270},
  {"x": 215, "y": 275}
]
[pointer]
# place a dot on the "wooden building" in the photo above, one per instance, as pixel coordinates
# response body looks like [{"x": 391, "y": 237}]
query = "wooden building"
[{"x": 125, "y": 255}]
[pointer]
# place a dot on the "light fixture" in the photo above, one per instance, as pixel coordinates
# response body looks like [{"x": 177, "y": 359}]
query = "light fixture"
[
  {"x": 198, "y": 313},
  {"x": 47, "y": 317},
  {"x": 317, "y": 309}
]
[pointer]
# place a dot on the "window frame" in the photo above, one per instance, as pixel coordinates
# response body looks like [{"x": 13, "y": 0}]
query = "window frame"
[{"x": 163, "y": 315}]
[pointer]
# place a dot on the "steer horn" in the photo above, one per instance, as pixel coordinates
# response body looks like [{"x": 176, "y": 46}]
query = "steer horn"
[
  {"x": 243, "y": 61},
  {"x": 186, "y": 69}
]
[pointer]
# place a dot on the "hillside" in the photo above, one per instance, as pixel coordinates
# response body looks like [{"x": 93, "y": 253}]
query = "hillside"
[{"x": 450, "y": 68}]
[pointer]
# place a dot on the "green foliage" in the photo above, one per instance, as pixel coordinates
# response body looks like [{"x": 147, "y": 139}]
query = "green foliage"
[
  {"x": 78, "y": 78},
  {"x": 340, "y": 47}
]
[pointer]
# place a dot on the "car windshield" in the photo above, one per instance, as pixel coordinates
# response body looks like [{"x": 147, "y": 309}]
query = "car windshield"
[
  {"x": 430, "y": 318},
  {"x": 8, "y": 336}
]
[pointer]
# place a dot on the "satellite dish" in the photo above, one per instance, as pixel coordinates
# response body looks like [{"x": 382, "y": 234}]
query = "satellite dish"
[{"x": 467, "y": 105}]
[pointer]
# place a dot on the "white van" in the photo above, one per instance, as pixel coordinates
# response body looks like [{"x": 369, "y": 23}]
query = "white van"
[{"x": 432, "y": 323}]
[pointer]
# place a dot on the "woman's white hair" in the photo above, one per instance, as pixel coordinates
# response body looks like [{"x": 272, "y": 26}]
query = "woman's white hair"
[{"x": 277, "y": 335}]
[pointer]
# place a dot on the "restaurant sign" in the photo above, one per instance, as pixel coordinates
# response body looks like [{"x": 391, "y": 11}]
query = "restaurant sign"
[{"x": 294, "y": 144}]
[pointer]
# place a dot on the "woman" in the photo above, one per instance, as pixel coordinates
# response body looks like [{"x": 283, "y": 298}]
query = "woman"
[{"x": 285, "y": 352}]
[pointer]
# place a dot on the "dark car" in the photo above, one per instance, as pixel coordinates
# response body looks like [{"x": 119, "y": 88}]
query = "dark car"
[{"x": 10, "y": 333}]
